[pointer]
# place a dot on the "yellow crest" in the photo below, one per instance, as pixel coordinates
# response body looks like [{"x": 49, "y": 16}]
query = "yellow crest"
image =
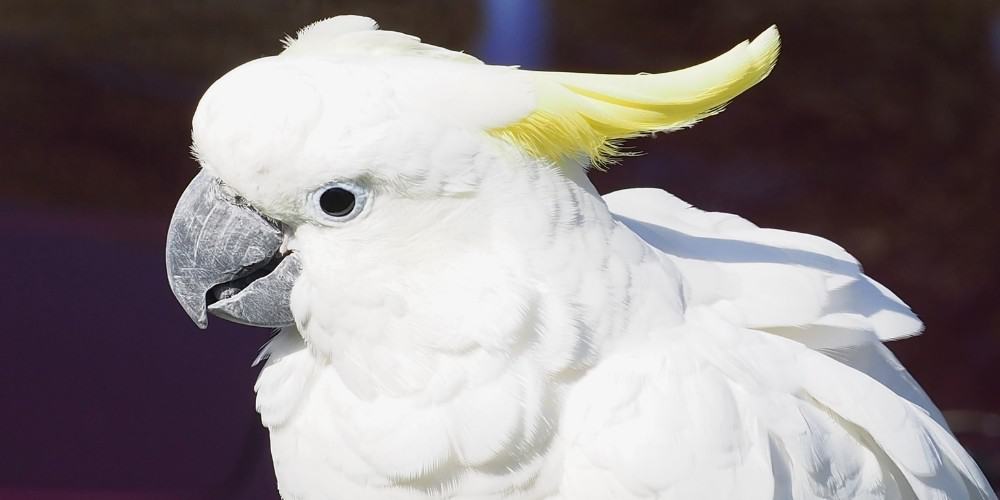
[{"x": 589, "y": 114}]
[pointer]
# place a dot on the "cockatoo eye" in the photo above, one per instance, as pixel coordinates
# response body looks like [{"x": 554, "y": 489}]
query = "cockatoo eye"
[{"x": 338, "y": 201}]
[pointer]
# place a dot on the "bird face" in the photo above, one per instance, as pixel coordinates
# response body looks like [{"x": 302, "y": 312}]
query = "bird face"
[{"x": 316, "y": 177}]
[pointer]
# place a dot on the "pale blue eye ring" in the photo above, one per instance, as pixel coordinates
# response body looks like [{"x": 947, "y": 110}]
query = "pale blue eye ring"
[{"x": 338, "y": 201}]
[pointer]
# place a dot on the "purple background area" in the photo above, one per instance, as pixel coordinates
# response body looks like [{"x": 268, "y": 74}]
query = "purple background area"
[
  {"x": 878, "y": 130},
  {"x": 106, "y": 383}
]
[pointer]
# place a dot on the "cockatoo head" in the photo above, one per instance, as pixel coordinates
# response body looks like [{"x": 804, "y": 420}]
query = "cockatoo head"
[{"x": 364, "y": 180}]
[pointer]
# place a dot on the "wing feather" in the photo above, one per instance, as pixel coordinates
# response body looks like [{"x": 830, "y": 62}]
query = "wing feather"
[
  {"x": 770, "y": 278},
  {"x": 713, "y": 410},
  {"x": 795, "y": 329}
]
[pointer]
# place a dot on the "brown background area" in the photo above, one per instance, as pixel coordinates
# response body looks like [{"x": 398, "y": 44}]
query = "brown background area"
[{"x": 879, "y": 129}]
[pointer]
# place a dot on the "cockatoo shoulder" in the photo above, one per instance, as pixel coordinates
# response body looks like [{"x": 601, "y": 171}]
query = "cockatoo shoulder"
[
  {"x": 777, "y": 381},
  {"x": 711, "y": 410}
]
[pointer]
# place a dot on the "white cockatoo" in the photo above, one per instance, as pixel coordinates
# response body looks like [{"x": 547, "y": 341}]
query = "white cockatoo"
[{"x": 461, "y": 315}]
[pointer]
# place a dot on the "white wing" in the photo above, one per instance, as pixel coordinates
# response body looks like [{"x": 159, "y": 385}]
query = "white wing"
[
  {"x": 777, "y": 386},
  {"x": 710, "y": 410},
  {"x": 768, "y": 277},
  {"x": 795, "y": 285}
]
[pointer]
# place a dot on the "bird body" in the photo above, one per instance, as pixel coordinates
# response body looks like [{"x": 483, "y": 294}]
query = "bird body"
[{"x": 470, "y": 319}]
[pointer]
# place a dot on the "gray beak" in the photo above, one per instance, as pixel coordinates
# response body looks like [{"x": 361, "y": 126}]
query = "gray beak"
[{"x": 224, "y": 259}]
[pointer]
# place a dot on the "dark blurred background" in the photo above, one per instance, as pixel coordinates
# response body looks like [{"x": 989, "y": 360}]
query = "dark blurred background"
[{"x": 879, "y": 129}]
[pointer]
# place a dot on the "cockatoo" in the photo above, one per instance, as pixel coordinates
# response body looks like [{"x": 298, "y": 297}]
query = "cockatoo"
[{"x": 461, "y": 315}]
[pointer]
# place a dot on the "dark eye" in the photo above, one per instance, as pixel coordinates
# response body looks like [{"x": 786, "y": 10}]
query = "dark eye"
[{"x": 337, "y": 202}]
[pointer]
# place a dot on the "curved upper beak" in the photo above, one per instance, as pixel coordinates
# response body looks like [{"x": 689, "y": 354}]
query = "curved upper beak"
[{"x": 225, "y": 259}]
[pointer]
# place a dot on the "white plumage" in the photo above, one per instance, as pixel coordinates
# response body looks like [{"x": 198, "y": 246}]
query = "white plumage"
[{"x": 490, "y": 327}]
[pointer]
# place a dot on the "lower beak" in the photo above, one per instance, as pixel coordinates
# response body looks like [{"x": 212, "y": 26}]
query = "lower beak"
[{"x": 225, "y": 259}]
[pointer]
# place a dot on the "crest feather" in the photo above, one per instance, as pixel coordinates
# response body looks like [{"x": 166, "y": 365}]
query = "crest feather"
[
  {"x": 590, "y": 114},
  {"x": 358, "y": 35}
]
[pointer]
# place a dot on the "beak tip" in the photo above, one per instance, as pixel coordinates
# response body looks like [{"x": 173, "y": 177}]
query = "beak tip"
[
  {"x": 199, "y": 316},
  {"x": 191, "y": 302}
]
